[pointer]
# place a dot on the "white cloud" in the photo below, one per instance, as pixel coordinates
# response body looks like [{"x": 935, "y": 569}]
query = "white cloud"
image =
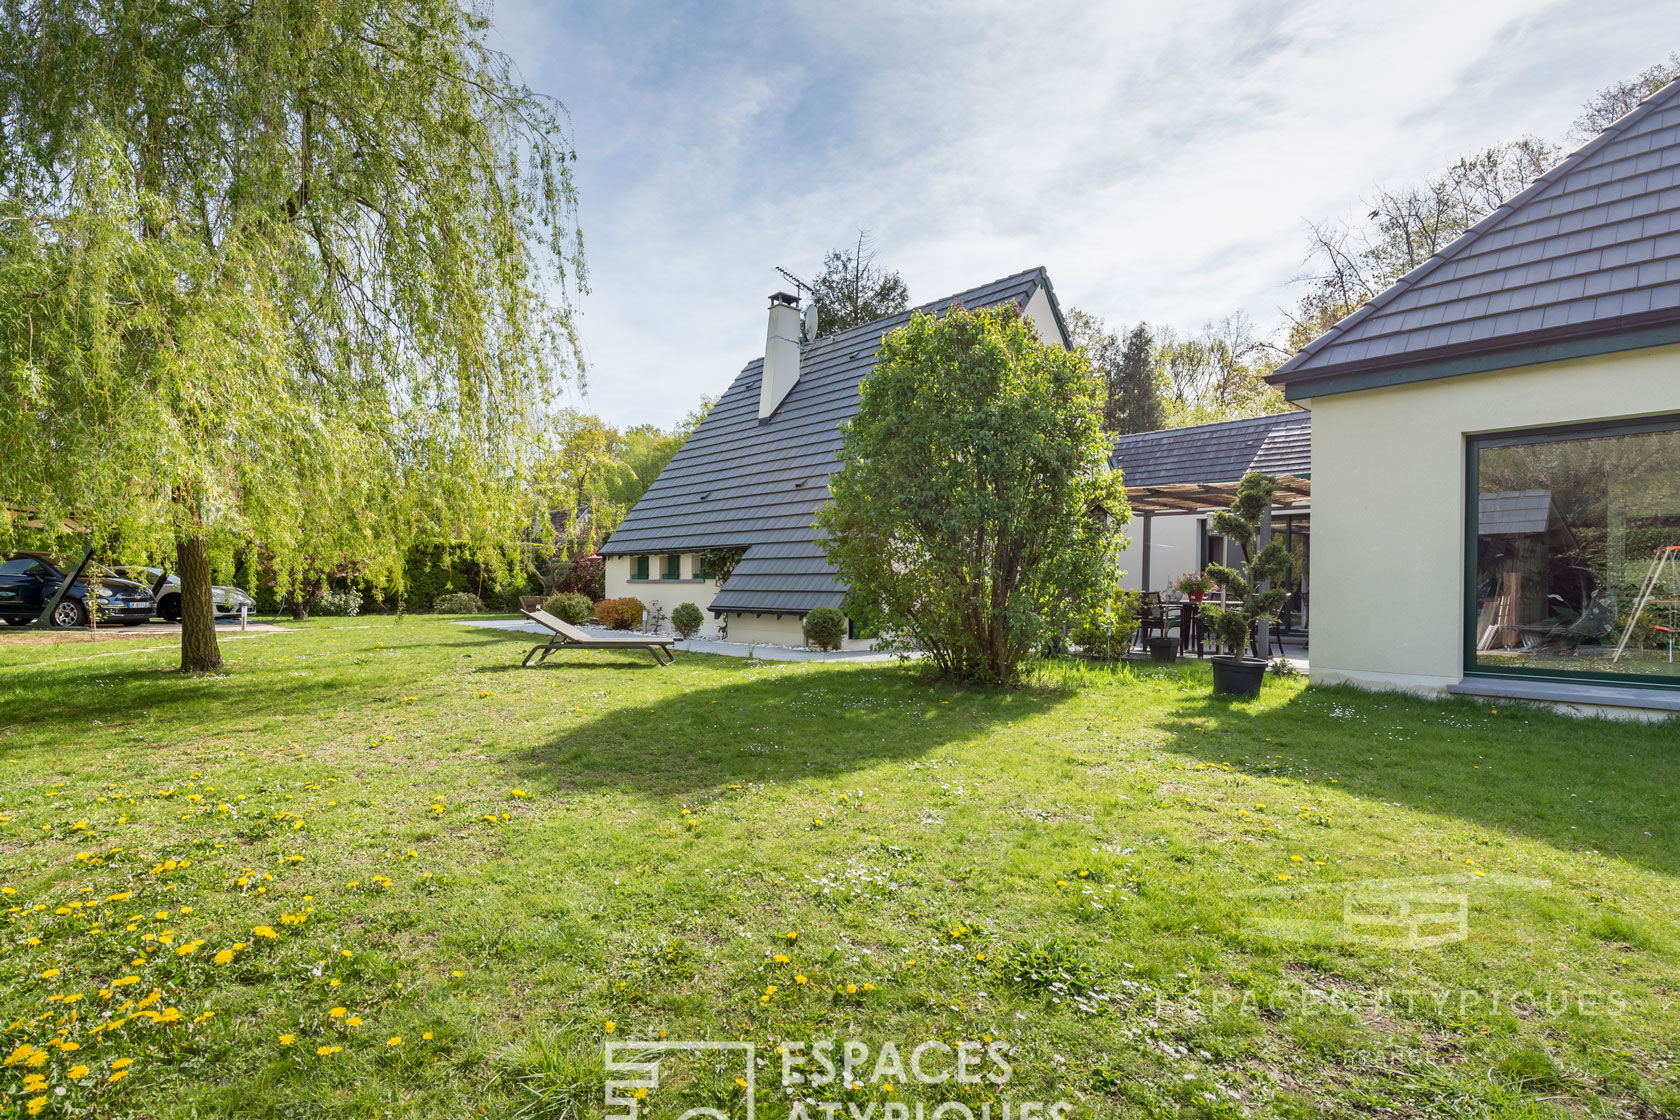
[{"x": 1161, "y": 160}]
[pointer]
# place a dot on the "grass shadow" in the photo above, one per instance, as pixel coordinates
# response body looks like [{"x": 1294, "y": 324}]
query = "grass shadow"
[
  {"x": 772, "y": 722},
  {"x": 1579, "y": 785}
]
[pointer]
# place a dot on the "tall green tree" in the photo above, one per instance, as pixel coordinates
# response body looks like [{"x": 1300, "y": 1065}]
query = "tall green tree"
[
  {"x": 974, "y": 502},
  {"x": 854, "y": 289},
  {"x": 1128, "y": 384},
  {"x": 1134, "y": 391},
  {"x": 287, "y": 277}
]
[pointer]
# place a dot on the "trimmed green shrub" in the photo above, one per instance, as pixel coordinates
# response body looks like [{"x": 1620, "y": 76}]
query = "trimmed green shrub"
[
  {"x": 620, "y": 614},
  {"x": 825, "y": 627},
  {"x": 338, "y": 604},
  {"x": 459, "y": 602},
  {"x": 1106, "y": 629},
  {"x": 687, "y": 619},
  {"x": 570, "y": 606}
]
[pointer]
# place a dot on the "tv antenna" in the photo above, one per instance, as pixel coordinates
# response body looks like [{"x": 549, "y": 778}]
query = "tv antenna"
[{"x": 796, "y": 281}]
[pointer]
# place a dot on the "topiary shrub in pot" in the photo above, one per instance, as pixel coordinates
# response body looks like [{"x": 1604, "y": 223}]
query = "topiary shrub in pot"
[
  {"x": 459, "y": 602},
  {"x": 687, "y": 620},
  {"x": 1245, "y": 604},
  {"x": 620, "y": 614},
  {"x": 570, "y": 606},
  {"x": 825, "y": 628}
]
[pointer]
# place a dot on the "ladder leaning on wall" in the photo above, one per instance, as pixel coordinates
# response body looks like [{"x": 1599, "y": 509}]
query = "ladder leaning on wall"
[{"x": 1667, "y": 555}]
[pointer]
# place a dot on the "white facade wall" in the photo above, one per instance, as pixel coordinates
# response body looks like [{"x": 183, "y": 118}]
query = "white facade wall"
[
  {"x": 1388, "y": 530},
  {"x": 766, "y": 629},
  {"x": 1175, "y": 545},
  {"x": 667, "y": 593}
]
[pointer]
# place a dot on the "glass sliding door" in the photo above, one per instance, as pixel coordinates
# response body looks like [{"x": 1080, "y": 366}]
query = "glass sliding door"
[{"x": 1574, "y": 566}]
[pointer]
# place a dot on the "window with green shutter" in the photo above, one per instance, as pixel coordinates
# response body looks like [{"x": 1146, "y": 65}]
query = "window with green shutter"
[
  {"x": 702, "y": 570},
  {"x": 673, "y": 565},
  {"x": 640, "y": 571}
]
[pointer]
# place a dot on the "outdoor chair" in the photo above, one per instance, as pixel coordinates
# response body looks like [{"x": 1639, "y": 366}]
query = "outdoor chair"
[
  {"x": 1152, "y": 619},
  {"x": 567, "y": 636}
]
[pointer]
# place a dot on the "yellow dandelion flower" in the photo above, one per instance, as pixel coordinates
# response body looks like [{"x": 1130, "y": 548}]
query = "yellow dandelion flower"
[
  {"x": 122, "y": 1063},
  {"x": 76, "y": 1073},
  {"x": 427, "y": 1037},
  {"x": 800, "y": 979},
  {"x": 353, "y": 1021},
  {"x": 49, "y": 974},
  {"x": 266, "y": 931},
  {"x": 287, "y": 1039},
  {"x": 394, "y": 1040},
  {"x": 118, "y": 1075},
  {"x": 610, "y": 1026},
  {"x": 338, "y": 1012},
  {"x": 223, "y": 957}
]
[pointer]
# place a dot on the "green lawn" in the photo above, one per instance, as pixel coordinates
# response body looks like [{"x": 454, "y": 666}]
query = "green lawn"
[{"x": 385, "y": 830}]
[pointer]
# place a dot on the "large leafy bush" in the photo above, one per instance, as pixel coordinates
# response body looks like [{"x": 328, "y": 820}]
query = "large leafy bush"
[{"x": 974, "y": 502}]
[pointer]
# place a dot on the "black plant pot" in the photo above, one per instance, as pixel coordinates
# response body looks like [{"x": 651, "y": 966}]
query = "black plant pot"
[
  {"x": 1238, "y": 676},
  {"x": 1163, "y": 649}
]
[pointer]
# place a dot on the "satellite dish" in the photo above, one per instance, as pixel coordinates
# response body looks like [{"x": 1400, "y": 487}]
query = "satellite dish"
[{"x": 808, "y": 322}]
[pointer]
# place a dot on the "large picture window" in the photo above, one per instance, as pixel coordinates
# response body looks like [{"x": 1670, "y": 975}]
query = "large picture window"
[{"x": 1575, "y": 562}]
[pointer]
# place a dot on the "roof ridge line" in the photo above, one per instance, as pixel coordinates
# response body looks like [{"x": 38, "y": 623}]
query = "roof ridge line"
[{"x": 1456, "y": 246}]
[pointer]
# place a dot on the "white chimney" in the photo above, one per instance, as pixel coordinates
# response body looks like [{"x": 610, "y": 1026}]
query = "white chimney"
[{"x": 781, "y": 353}]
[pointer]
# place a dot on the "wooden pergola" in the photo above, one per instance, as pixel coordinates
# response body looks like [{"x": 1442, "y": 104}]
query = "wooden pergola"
[{"x": 1200, "y": 497}]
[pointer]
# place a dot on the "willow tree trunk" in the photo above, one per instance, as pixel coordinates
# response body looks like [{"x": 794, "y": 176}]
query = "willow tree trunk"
[{"x": 199, "y": 652}]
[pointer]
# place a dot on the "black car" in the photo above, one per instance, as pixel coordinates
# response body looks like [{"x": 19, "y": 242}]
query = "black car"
[{"x": 29, "y": 579}]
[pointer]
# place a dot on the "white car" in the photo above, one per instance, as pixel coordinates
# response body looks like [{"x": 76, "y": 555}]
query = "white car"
[{"x": 225, "y": 600}]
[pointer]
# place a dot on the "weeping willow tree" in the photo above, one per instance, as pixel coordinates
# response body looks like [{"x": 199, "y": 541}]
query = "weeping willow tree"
[{"x": 281, "y": 278}]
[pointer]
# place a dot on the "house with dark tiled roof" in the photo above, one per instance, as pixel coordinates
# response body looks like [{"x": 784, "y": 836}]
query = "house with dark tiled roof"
[
  {"x": 751, "y": 477},
  {"x": 1496, "y": 447}
]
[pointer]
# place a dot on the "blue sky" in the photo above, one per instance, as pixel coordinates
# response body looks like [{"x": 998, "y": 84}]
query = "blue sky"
[{"x": 1161, "y": 159}]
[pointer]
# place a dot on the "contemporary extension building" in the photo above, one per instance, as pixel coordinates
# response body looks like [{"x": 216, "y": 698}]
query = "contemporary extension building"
[
  {"x": 1496, "y": 447},
  {"x": 749, "y": 480}
]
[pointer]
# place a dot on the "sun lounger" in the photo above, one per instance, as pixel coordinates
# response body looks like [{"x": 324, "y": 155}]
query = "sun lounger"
[{"x": 567, "y": 636}]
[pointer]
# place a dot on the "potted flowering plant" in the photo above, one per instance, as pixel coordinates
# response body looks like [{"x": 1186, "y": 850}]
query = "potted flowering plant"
[
  {"x": 1195, "y": 585},
  {"x": 1245, "y": 604}
]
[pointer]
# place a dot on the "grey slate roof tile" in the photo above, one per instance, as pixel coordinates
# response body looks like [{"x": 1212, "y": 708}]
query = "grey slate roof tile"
[
  {"x": 732, "y": 483},
  {"x": 1217, "y": 453},
  {"x": 1589, "y": 246}
]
